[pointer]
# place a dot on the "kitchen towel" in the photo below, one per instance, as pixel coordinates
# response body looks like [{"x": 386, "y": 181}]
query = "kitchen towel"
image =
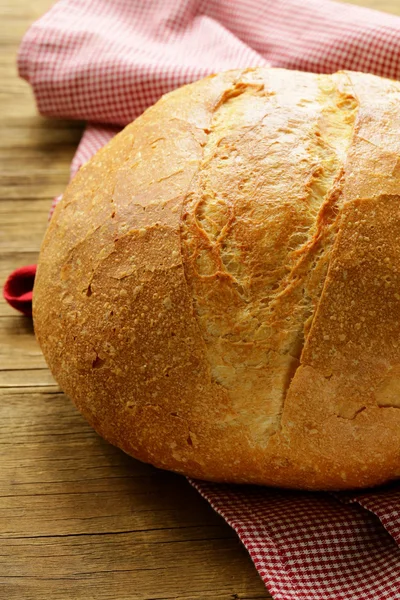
[{"x": 105, "y": 61}]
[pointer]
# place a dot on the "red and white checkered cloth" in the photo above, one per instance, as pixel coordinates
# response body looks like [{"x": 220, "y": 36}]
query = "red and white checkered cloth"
[{"x": 105, "y": 61}]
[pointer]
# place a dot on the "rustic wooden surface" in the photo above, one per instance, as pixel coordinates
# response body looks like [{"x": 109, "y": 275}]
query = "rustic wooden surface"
[{"x": 78, "y": 518}]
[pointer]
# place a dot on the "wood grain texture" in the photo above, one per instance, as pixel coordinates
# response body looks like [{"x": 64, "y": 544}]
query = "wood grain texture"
[{"x": 78, "y": 518}]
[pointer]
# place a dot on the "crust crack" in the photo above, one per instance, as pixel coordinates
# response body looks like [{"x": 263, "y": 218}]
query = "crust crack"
[
  {"x": 327, "y": 223},
  {"x": 256, "y": 236}
]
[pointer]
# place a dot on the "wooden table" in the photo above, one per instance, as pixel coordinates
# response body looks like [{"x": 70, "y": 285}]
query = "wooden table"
[{"x": 78, "y": 518}]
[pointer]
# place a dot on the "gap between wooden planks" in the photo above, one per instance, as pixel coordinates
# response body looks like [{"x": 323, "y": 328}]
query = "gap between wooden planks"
[{"x": 78, "y": 518}]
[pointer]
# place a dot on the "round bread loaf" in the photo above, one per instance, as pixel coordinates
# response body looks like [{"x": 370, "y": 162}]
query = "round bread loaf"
[{"x": 219, "y": 289}]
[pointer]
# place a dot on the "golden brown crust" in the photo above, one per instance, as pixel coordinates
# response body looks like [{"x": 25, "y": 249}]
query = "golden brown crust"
[{"x": 239, "y": 219}]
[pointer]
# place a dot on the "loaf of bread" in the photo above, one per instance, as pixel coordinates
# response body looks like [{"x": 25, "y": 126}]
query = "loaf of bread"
[{"x": 219, "y": 289}]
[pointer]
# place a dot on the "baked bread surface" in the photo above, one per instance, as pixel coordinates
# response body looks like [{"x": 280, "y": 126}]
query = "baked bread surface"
[{"x": 219, "y": 289}]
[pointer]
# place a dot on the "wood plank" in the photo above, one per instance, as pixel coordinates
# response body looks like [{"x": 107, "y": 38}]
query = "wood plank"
[
  {"x": 17, "y": 378},
  {"x": 120, "y": 562},
  {"x": 390, "y": 6},
  {"x": 32, "y": 131},
  {"x": 44, "y": 184},
  {"x": 27, "y": 234},
  {"x": 113, "y": 521},
  {"x": 18, "y": 346},
  {"x": 24, "y": 208}
]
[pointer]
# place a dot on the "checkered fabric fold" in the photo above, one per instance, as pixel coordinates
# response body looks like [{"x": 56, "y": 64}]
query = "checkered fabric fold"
[{"x": 106, "y": 61}]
